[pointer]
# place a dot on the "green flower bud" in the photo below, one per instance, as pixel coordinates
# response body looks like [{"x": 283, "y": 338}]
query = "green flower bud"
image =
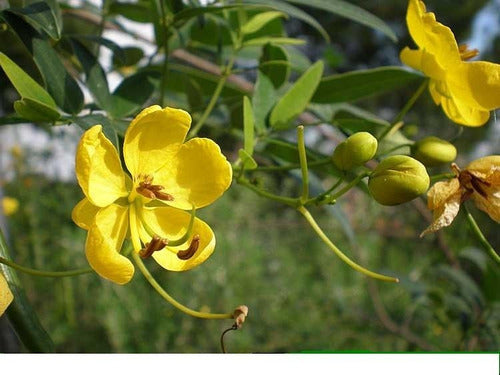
[
  {"x": 432, "y": 151},
  {"x": 355, "y": 151},
  {"x": 398, "y": 179}
]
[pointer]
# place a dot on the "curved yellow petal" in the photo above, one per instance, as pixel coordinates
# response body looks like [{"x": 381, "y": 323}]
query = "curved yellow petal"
[
  {"x": 98, "y": 168},
  {"x": 486, "y": 165},
  {"x": 84, "y": 213},
  {"x": 104, "y": 241},
  {"x": 430, "y": 35},
  {"x": 172, "y": 223},
  {"x": 6, "y": 296},
  {"x": 444, "y": 214},
  {"x": 152, "y": 137},
  {"x": 198, "y": 174}
]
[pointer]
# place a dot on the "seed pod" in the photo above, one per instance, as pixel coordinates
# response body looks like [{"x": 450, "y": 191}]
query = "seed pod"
[
  {"x": 398, "y": 179},
  {"x": 355, "y": 151},
  {"x": 432, "y": 151}
]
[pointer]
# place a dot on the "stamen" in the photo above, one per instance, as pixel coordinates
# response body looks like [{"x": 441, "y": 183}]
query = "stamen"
[
  {"x": 191, "y": 250},
  {"x": 155, "y": 244},
  {"x": 467, "y": 54},
  {"x": 147, "y": 189},
  {"x": 473, "y": 183}
]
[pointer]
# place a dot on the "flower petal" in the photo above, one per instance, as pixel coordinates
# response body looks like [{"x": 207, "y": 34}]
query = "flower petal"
[
  {"x": 489, "y": 204},
  {"x": 423, "y": 61},
  {"x": 444, "y": 214},
  {"x": 84, "y": 214},
  {"x": 172, "y": 223},
  {"x": 98, "y": 168},
  {"x": 6, "y": 296},
  {"x": 104, "y": 241},
  {"x": 152, "y": 137},
  {"x": 442, "y": 191},
  {"x": 461, "y": 113},
  {"x": 197, "y": 175}
]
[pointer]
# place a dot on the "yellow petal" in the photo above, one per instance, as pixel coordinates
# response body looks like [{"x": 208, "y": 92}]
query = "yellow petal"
[
  {"x": 430, "y": 35},
  {"x": 486, "y": 165},
  {"x": 104, "y": 241},
  {"x": 442, "y": 191},
  {"x": 98, "y": 168},
  {"x": 444, "y": 214},
  {"x": 477, "y": 84},
  {"x": 171, "y": 223},
  {"x": 152, "y": 137},
  {"x": 9, "y": 205},
  {"x": 461, "y": 113},
  {"x": 6, "y": 296},
  {"x": 423, "y": 61},
  {"x": 84, "y": 213},
  {"x": 198, "y": 174},
  {"x": 489, "y": 204}
]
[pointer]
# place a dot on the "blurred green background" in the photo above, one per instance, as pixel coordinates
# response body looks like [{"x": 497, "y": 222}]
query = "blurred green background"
[{"x": 301, "y": 297}]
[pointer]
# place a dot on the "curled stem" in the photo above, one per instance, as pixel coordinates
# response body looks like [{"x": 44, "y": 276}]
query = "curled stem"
[
  {"x": 35, "y": 272},
  {"x": 167, "y": 297},
  {"x": 480, "y": 236},
  {"x": 338, "y": 252},
  {"x": 303, "y": 163}
]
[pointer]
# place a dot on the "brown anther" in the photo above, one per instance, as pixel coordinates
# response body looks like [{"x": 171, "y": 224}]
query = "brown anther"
[
  {"x": 472, "y": 183},
  {"x": 147, "y": 189},
  {"x": 155, "y": 244},
  {"x": 239, "y": 315},
  {"x": 467, "y": 54},
  {"x": 191, "y": 250}
]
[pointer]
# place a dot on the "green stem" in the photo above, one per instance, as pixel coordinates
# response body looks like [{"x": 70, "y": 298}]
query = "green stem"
[
  {"x": 20, "y": 312},
  {"x": 338, "y": 252},
  {"x": 34, "y": 272},
  {"x": 170, "y": 299},
  {"x": 293, "y": 202},
  {"x": 164, "y": 69},
  {"x": 303, "y": 163},
  {"x": 442, "y": 176},
  {"x": 405, "y": 109},
  {"x": 292, "y": 166},
  {"x": 215, "y": 96},
  {"x": 350, "y": 185},
  {"x": 480, "y": 236}
]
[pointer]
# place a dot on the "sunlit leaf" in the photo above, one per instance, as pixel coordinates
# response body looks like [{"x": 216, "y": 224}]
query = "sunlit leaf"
[
  {"x": 264, "y": 98},
  {"x": 246, "y": 159},
  {"x": 258, "y": 21},
  {"x": 273, "y": 40},
  {"x": 35, "y": 111}
]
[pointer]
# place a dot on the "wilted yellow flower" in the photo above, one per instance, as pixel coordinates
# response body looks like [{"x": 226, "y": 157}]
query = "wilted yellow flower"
[
  {"x": 479, "y": 181},
  {"x": 467, "y": 91},
  {"x": 9, "y": 205},
  {"x": 166, "y": 177},
  {"x": 6, "y": 296}
]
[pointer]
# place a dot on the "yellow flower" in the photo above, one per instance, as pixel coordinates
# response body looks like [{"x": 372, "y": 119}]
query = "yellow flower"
[
  {"x": 167, "y": 177},
  {"x": 479, "y": 181},
  {"x": 6, "y": 296},
  {"x": 467, "y": 91},
  {"x": 9, "y": 205}
]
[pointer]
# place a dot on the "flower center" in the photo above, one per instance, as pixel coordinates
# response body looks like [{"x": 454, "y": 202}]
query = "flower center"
[
  {"x": 467, "y": 54},
  {"x": 147, "y": 189},
  {"x": 472, "y": 183}
]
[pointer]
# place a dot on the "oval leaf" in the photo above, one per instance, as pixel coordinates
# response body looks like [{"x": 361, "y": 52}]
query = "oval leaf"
[
  {"x": 296, "y": 98},
  {"x": 259, "y": 21},
  {"x": 274, "y": 64},
  {"x": 35, "y": 111}
]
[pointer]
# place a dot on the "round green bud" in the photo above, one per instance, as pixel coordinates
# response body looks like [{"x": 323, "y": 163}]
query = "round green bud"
[
  {"x": 355, "y": 151},
  {"x": 398, "y": 179},
  {"x": 432, "y": 151}
]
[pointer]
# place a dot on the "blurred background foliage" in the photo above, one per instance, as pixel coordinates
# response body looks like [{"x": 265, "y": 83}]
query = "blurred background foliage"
[{"x": 301, "y": 297}]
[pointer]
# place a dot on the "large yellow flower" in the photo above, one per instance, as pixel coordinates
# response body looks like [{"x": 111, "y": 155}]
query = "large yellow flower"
[
  {"x": 5, "y": 295},
  {"x": 467, "y": 91},
  {"x": 167, "y": 176},
  {"x": 479, "y": 181}
]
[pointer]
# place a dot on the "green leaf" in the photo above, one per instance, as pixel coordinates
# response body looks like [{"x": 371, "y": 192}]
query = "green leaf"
[
  {"x": 248, "y": 125},
  {"x": 246, "y": 159},
  {"x": 95, "y": 78},
  {"x": 127, "y": 56},
  {"x": 35, "y": 111},
  {"x": 133, "y": 92},
  {"x": 273, "y": 40},
  {"x": 118, "y": 52},
  {"x": 42, "y": 14},
  {"x": 264, "y": 98},
  {"x": 138, "y": 12},
  {"x": 260, "y": 20},
  {"x": 26, "y": 86},
  {"x": 350, "y": 11},
  {"x": 188, "y": 13},
  {"x": 294, "y": 12},
  {"x": 295, "y": 100},
  {"x": 363, "y": 83},
  {"x": 60, "y": 85},
  {"x": 464, "y": 284},
  {"x": 274, "y": 63}
]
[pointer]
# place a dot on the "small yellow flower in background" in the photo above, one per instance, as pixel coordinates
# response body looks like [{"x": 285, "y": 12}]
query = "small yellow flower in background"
[
  {"x": 467, "y": 91},
  {"x": 167, "y": 176},
  {"x": 479, "y": 181},
  {"x": 9, "y": 206},
  {"x": 6, "y": 296}
]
